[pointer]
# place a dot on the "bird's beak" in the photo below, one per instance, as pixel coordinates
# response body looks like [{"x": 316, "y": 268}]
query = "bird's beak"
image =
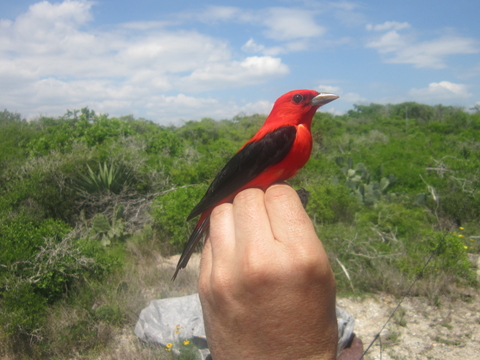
[{"x": 323, "y": 98}]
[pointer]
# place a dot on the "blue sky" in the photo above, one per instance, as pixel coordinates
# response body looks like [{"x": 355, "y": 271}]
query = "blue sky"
[{"x": 170, "y": 61}]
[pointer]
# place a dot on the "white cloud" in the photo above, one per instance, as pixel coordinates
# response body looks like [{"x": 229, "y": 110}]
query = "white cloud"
[
  {"x": 433, "y": 53},
  {"x": 441, "y": 91},
  {"x": 258, "y": 107},
  {"x": 344, "y": 5},
  {"x": 50, "y": 61},
  {"x": 329, "y": 89},
  {"x": 390, "y": 42},
  {"x": 222, "y": 12},
  {"x": 146, "y": 25},
  {"x": 345, "y": 13},
  {"x": 388, "y": 25},
  {"x": 215, "y": 14},
  {"x": 292, "y": 29},
  {"x": 47, "y": 28},
  {"x": 353, "y": 98},
  {"x": 252, "y": 46},
  {"x": 287, "y": 24},
  {"x": 181, "y": 107},
  {"x": 293, "y": 46},
  {"x": 251, "y": 70},
  {"x": 406, "y": 49},
  {"x": 280, "y": 23},
  {"x": 171, "y": 52}
]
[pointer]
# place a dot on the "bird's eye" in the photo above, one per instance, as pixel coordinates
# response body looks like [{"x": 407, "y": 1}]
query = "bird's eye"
[{"x": 297, "y": 98}]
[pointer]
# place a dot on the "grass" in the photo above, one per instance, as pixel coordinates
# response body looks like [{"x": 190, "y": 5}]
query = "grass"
[
  {"x": 96, "y": 319},
  {"x": 447, "y": 342},
  {"x": 391, "y": 337},
  {"x": 399, "y": 317}
]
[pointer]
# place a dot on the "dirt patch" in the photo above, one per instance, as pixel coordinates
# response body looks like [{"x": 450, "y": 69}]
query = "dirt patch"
[{"x": 419, "y": 330}]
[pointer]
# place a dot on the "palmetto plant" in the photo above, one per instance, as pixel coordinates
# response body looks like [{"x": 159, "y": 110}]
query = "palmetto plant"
[{"x": 109, "y": 177}]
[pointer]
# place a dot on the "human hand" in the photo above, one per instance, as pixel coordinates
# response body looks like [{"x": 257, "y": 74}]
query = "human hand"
[{"x": 266, "y": 286}]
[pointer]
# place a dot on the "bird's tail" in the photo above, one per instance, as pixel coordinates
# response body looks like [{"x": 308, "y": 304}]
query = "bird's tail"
[{"x": 202, "y": 227}]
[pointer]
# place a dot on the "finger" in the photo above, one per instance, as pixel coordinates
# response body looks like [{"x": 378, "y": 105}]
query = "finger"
[
  {"x": 252, "y": 226},
  {"x": 289, "y": 221},
  {"x": 222, "y": 236},
  {"x": 293, "y": 228}
]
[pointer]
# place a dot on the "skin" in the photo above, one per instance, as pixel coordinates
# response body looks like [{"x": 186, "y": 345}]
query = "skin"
[{"x": 266, "y": 286}]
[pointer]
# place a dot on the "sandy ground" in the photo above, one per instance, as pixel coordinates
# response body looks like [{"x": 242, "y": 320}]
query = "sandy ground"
[{"x": 419, "y": 330}]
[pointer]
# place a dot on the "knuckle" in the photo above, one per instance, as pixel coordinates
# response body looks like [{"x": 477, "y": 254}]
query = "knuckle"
[
  {"x": 280, "y": 192},
  {"x": 222, "y": 280},
  {"x": 203, "y": 285},
  {"x": 315, "y": 265},
  {"x": 221, "y": 210},
  {"x": 217, "y": 287},
  {"x": 258, "y": 273},
  {"x": 248, "y": 196}
]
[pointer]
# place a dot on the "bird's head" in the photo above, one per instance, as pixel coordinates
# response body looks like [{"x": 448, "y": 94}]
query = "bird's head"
[{"x": 298, "y": 107}]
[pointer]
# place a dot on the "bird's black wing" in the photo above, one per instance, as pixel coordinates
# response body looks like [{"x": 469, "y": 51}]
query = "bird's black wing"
[
  {"x": 191, "y": 245},
  {"x": 245, "y": 165}
]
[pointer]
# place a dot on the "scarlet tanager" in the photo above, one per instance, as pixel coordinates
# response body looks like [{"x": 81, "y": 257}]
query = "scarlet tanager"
[{"x": 275, "y": 153}]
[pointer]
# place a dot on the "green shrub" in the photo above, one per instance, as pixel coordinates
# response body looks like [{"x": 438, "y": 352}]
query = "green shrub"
[
  {"x": 106, "y": 259},
  {"x": 13, "y": 133},
  {"x": 61, "y": 133},
  {"x": 170, "y": 212},
  {"x": 21, "y": 238},
  {"x": 40, "y": 262},
  {"x": 451, "y": 256},
  {"x": 40, "y": 187},
  {"x": 329, "y": 203},
  {"x": 28, "y": 281},
  {"x": 22, "y": 309}
]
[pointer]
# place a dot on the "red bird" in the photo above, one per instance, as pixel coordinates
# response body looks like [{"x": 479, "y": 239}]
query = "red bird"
[{"x": 278, "y": 150}]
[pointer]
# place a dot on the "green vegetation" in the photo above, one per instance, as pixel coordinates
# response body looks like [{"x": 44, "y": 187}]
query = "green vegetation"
[{"x": 89, "y": 204}]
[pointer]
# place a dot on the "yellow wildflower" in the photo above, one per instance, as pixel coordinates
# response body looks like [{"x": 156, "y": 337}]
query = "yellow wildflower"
[
  {"x": 460, "y": 236},
  {"x": 169, "y": 345},
  {"x": 465, "y": 247},
  {"x": 461, "y": 228},
  {"x": 186, "y": 342}
]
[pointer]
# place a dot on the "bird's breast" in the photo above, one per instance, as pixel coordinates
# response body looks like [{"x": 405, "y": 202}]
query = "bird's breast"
[{"x": 299, "y": 153}]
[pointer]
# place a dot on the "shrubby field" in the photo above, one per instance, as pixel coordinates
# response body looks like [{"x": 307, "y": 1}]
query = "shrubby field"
[{"x": 90, "y": 204}]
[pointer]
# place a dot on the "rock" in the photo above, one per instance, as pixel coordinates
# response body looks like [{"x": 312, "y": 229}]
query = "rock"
[{"x": 173, "y": 320}]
